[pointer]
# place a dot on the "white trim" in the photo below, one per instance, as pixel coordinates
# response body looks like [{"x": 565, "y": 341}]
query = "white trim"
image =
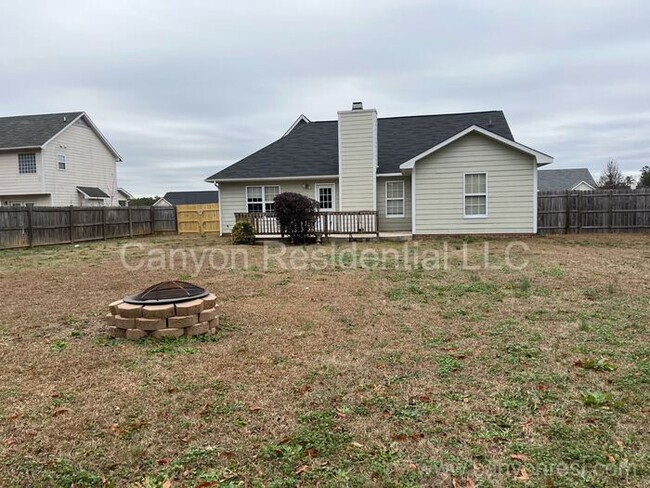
[
  {"x": 386, "y": 199},
  {"x": 326, "y": 185},
  {"x": 535, "y": 174},
  {"x": 486, "y": 195},
  {"x": 161, "y": 199},
  {"x": 578, "y": 184},
  {"x": 413, "y": 200},
  {"x": 302, "y": 118},
  {"x": 124, "y": 192},
  {"x": 389, "y": 175},
  {"x": 375, "y": 160},
  {"x": 540, "y": 157},
  {"x": 274, "y": 178},
  {"x": 93, "y": 127},
  {"x": 338, "y": 135},
  {"x": 20, "y": 148},
  {"x": 264, "y": 202}
]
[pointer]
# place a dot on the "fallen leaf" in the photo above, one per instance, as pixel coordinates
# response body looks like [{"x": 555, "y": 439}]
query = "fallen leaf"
[
  {"x": 164, "y": 461},
  {"x": 620, "y": 444},
  {"x": 312, "y": 453},
  {"x": 301, "y": 469},
  {"x": 520, "y": 457},
  {"x": 412, "y": 466},
  {"x": 207, "y": 484},
  {"x": 167, "y": 484},
  {"x": 356, "y": 444},
  {"x": 341, "y": 414},
  {"x": 60, "y": 411},
  {"x": 254, "y": 409},
  {"x": 9, "y": 442},
  {"x": 611, "y": 458},
  {"x": 523, "y": 475}
]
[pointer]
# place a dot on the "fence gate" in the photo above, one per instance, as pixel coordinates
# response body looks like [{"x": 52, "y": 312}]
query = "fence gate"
[{"x": 198, "y": 219}]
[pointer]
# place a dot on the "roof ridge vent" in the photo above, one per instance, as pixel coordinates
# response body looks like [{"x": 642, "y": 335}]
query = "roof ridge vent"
[{"x": 357, "y": 105}]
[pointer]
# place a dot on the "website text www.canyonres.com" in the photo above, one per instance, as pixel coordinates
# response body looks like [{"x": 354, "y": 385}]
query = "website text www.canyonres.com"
[{"x": 278, "y": 256}]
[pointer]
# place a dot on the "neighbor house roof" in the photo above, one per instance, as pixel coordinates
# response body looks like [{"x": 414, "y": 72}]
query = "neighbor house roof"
[
  {"x": 191, "y": 197},
  {"x": 563, "y": 179},
  {"x": 93, "y": 192},
  {"x": 311, "y": 148},
  {"x": 34, "y": 131}
]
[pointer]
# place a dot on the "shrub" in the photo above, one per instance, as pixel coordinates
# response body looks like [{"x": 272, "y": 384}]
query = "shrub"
[
  {"x": 243, "y": 233},
  {"x": 296, "y": 215}
]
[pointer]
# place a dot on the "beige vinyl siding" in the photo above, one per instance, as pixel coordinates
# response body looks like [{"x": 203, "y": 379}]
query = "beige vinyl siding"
[
  {"x": 393, "y": 224},
  {"x": 14, "y": 183},
  {"x": 357, "y": 159},
  {"x": 88, "y": 163},
  {"x": 439, "y": 179},
  {"x": 232, "y": 196}
]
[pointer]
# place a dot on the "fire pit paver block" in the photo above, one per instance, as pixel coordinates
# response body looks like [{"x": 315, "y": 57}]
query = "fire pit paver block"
[
  {"x": 182, "y": 321},
  {"x": 124, "y": 322},
  {"x": 150, "y": 324},
  {"x": 129, "y": 311},
  {"x": 214, "y": 323},
  {"x": 209, "y": 301},
  {"x": 109, "y": 318},
  {"x": 208, "y": 315},
  {"x": 189, "y": 308},
  {"x": 162, "y": 333},
  {"x": 113, "y": 306},
  {"x": 158, "y": 311},
  {"x": 135, "y": 334},
  {"x": 200, "y": 328}
]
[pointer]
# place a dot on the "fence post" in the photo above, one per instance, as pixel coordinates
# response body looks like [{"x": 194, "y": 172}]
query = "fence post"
[
  {"x": 30, "y": 226},
  {"x": 567, "y": 224},
  {"x": 152, "y": 218},
  {"x": 130, "y": 222},
  {"x": 611, "y": 211},
  {"x": 579, "y": 212},
  {"x": 104, "y": 211},
  {"x": 71, "y": 219}
]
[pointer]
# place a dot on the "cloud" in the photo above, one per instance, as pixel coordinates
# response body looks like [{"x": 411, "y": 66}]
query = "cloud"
[{"x": 185, "y": 88}]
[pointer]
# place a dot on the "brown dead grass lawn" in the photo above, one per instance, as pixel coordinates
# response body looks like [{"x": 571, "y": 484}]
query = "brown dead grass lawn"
[{"x": 333, "y": 377}]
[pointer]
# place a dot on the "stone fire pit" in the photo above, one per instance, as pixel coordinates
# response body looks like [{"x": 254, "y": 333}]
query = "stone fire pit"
[{"x": 168, "y": 309}]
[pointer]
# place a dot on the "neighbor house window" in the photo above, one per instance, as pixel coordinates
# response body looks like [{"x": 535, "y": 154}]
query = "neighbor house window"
[
  {"x": 395, "y": 199},
  {"x": 60, "y": 159},
  {"x": 27, "y": 163},
  {"x": 260, "y": 198},
  {"x": 476, "y": 195},
  {"x": 325, "y": 195}
]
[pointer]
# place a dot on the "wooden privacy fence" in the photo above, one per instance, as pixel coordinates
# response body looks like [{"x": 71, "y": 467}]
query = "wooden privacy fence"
[
  {"x": 327, "y": 223},
  {"x": 593, "y": 211},
  {"x": 198, "y": 219},
  {"x": 40, "y": 226}
]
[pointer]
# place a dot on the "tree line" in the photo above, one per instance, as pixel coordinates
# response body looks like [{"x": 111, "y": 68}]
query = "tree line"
[{"x": 612, "y": 178}]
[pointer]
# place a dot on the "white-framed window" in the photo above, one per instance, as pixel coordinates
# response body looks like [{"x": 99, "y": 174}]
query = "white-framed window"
[
  {"x": 61, "y": 161},
  {"x": 27, "y": 163},
  {"x": 325, "y": 196},
  {"x": 395, "y": 199},
  {"x": 260, "y": 198},
  {"x": 475, "y": 195}
]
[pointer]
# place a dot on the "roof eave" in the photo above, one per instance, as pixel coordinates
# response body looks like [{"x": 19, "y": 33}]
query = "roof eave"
[{"x": 270, "y": 178}]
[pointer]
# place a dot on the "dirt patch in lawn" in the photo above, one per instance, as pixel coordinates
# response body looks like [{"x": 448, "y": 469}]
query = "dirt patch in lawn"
[{"x": 334, "y": 376}]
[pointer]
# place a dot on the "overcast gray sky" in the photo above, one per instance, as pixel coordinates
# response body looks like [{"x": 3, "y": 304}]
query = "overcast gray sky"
[{"x": 183, "y": 88}]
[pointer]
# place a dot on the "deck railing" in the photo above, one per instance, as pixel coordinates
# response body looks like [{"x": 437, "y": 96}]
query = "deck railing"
[{"x": 327, "y": 223}]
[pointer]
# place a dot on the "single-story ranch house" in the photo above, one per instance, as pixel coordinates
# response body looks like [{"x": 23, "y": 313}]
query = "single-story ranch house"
[{"x": 425, "y": 175}]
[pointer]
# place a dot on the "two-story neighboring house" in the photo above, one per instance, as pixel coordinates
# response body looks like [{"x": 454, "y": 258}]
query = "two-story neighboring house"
[
  {"x": 460, "y": 173},
  {"x": 57, "y": 160}
]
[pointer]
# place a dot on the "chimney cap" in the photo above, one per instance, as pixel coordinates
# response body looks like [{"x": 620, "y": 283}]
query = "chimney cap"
[{"x": 357, "y": 105}]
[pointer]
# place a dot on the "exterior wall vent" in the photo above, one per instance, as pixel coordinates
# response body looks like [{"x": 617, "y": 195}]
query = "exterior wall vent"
[{"x": 357, "y": 105}]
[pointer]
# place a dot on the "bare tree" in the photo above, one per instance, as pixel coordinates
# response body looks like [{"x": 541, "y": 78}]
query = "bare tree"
[{"x": 611, "y": 177}]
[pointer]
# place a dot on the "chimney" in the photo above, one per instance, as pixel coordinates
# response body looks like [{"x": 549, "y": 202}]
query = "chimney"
[{"x": 357, "y": 131}]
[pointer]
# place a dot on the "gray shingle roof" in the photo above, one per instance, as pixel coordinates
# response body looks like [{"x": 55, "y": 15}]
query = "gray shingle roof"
[
  {"x": 192, "y": 197},
  {"x": 563, "y": 179},
  {"x": 93, "y": 192},
  {"x": 32, "y": 130},
  {"x": 312, "y": 149}
]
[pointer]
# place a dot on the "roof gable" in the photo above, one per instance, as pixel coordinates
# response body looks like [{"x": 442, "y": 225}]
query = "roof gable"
[
  {"x": 311, "y": 148},
  {"x": 31, "y": 131},
  {"x": 563, "y": 179}
]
